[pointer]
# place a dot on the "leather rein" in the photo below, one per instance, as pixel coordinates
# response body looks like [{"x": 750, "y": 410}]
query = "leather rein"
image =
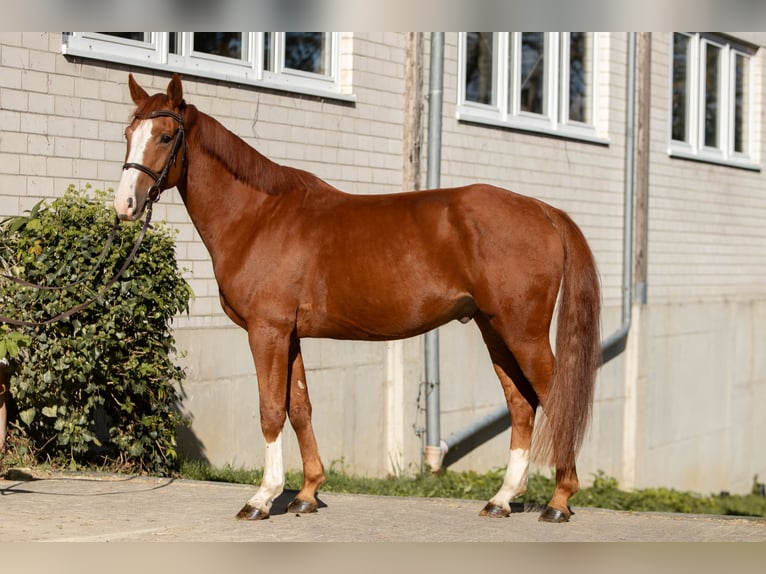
[{"x": 152, "y": 197}]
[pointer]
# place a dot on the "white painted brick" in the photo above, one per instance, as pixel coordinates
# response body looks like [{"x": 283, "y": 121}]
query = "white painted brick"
[
  {"x": 14, "y": 99},
  {"x": 14, "y": 57},
  {"x": 61, "y": 126},
  {"x": 85, "y": 169},
  {"x": 10, "y": 78},
  {"x": 92, "y": 109},
  {"x": 33, "y": 123},
  {"x": 13, "y": 183},
  {"x": 40, "y": 186},
  {"x": 110, "y": 171},
  {"x": 39, "y": 144},
  {"x": 42, "y": 61},
  {"x": 62, "y": 85},
  {"x": 33, "y": 165},
  {"x": 66, "y": 147},
  {"x": 13, "y": 142},
  {"x": 66, "y": 106},
  {"x": 35, "y": 40},
  {"x": 10, "y": 39},
  {"x": 32, "y": 81},
  {"x": 85, "y": 88},
  {"x": 92, "y": 149},
  {"x": 59, "y": 166},
  {"x": 9, "y": 205},
  {"x": 10, "y": 163},
  {"x": 41, "y": 103}
]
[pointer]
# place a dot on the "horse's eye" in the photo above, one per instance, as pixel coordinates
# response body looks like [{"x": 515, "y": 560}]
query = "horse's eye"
[{"x": 165, "y": 138}]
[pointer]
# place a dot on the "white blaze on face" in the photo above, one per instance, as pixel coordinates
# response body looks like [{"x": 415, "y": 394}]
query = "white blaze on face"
[{"x": 126, "y": 203}]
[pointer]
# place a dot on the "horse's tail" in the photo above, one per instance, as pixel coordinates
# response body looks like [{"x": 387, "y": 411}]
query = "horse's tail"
[{"x": 569, "y": 402}]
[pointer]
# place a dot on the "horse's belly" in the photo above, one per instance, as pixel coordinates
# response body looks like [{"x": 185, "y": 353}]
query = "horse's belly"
[{"x": 379, "y": 321}]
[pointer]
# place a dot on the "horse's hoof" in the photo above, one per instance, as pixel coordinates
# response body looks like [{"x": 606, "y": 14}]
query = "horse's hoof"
[
  {"x": 300, "y": 506},
  {"x": 551, "y": 514},
  {"x": 495, "y": 511},
  {"x": 252, "y": 513}
]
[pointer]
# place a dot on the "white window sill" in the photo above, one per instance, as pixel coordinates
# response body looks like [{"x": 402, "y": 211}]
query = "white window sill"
[
  {"x": 583, "y": 133},
  {"x": 715, "y": 159}
]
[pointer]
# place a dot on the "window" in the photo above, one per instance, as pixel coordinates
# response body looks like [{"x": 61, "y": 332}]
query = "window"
[
  {"x": 307, "y": 62},
  {"x": 711, "y": 98},
  {"x": 538, "y": 81}
]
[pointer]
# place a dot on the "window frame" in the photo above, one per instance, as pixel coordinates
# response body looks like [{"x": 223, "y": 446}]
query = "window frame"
[
  {"x": 506, "y": 111},
  {"x": 250, "y": 70},
  {"x": 694, "y": 145}
]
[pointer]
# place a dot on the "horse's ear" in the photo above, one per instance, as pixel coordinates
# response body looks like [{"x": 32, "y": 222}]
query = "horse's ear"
[
  {"x": 175, "y": 91},
  {"x": 136, "y": 92}
]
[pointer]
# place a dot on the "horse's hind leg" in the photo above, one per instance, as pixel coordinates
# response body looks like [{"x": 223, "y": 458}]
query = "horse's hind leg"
[
  {"x": 521, "y": 406},
  {"x": 299, "y": 411},
  {"x": 526, "y": 362},
  {"x": 536, "y": 360}
]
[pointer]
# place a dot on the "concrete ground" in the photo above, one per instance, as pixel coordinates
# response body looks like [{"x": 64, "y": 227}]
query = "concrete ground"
[{"x": 107, "y": 508}]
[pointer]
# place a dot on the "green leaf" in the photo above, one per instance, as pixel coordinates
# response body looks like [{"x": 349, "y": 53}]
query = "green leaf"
[
  {"x": 49, "y": 412},
  {"x": 28, "y": 415}
]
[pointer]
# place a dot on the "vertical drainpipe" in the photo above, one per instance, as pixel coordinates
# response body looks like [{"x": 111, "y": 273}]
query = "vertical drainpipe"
[
  {"x": 434, "y": 451},
  {"x": 615, "y": 344}
]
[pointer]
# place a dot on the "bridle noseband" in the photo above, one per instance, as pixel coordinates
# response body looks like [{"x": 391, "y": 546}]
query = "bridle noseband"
[{"x": 159, "y": 178}]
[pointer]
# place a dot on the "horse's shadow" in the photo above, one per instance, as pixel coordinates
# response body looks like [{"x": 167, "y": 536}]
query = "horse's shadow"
[{"x": 281, "y": 502}]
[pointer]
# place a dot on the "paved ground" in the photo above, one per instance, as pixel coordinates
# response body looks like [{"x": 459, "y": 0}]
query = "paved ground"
[{"x": 63, "y": 507}]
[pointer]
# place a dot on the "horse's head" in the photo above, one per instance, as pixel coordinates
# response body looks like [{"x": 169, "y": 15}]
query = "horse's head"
[{"x": 155, "y": 156}]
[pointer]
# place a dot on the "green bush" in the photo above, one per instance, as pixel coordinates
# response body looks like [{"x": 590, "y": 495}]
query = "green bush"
[{"x": 99, "y": 387}]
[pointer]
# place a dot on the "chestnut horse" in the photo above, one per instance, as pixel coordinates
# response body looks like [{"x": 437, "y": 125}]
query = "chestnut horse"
[{"x": 295, "y": 257}]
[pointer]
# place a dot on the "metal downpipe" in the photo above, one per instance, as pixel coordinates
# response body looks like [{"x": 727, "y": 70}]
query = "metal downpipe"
[
  {"x": 461, "y": 442},
  {"x": 434, "y": 451}
]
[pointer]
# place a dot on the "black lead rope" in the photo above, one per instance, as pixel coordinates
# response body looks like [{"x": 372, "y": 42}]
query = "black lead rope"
[{"x": 77, "y": 308}]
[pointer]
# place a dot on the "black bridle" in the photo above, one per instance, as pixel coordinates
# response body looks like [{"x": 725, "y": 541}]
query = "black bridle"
[
  {"x": 153, "y": 195},
  {"x": 178, "y": 144}
]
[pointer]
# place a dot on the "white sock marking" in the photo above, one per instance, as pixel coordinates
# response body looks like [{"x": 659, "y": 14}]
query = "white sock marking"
[
  {"x": 273, "y": 477},
  {"x": 515, "y": 481}
]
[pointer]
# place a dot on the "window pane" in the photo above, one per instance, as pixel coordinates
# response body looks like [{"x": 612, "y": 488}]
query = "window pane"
[
  {"x": 712, "y": 79},
  {"x": 268, "y": 51},
  {"x": 533, "y": 72},
  {"x": 741, "y": 103},
  {"x": 680, "y": 86},
  {"x": 580, "y": 77},
  {"x": 306, "y": 51},
  {"x": 226, "y": 44},
  {"x": 479, "y": 68},
  {"x": 174, "y": 43},
  {"x": 137, "y": 36}
]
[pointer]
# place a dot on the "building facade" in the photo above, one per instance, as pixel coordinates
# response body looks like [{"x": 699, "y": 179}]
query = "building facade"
[{"x": 544, "y": 114}]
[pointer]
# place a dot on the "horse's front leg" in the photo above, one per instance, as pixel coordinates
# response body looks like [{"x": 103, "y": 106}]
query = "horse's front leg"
[
  {"x": 299, "y": 411},
  {"x": 270, "y": 348}
]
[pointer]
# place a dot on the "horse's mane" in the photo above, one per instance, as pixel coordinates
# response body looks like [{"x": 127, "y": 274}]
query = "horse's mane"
[{"x": 244, "y": 162}]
